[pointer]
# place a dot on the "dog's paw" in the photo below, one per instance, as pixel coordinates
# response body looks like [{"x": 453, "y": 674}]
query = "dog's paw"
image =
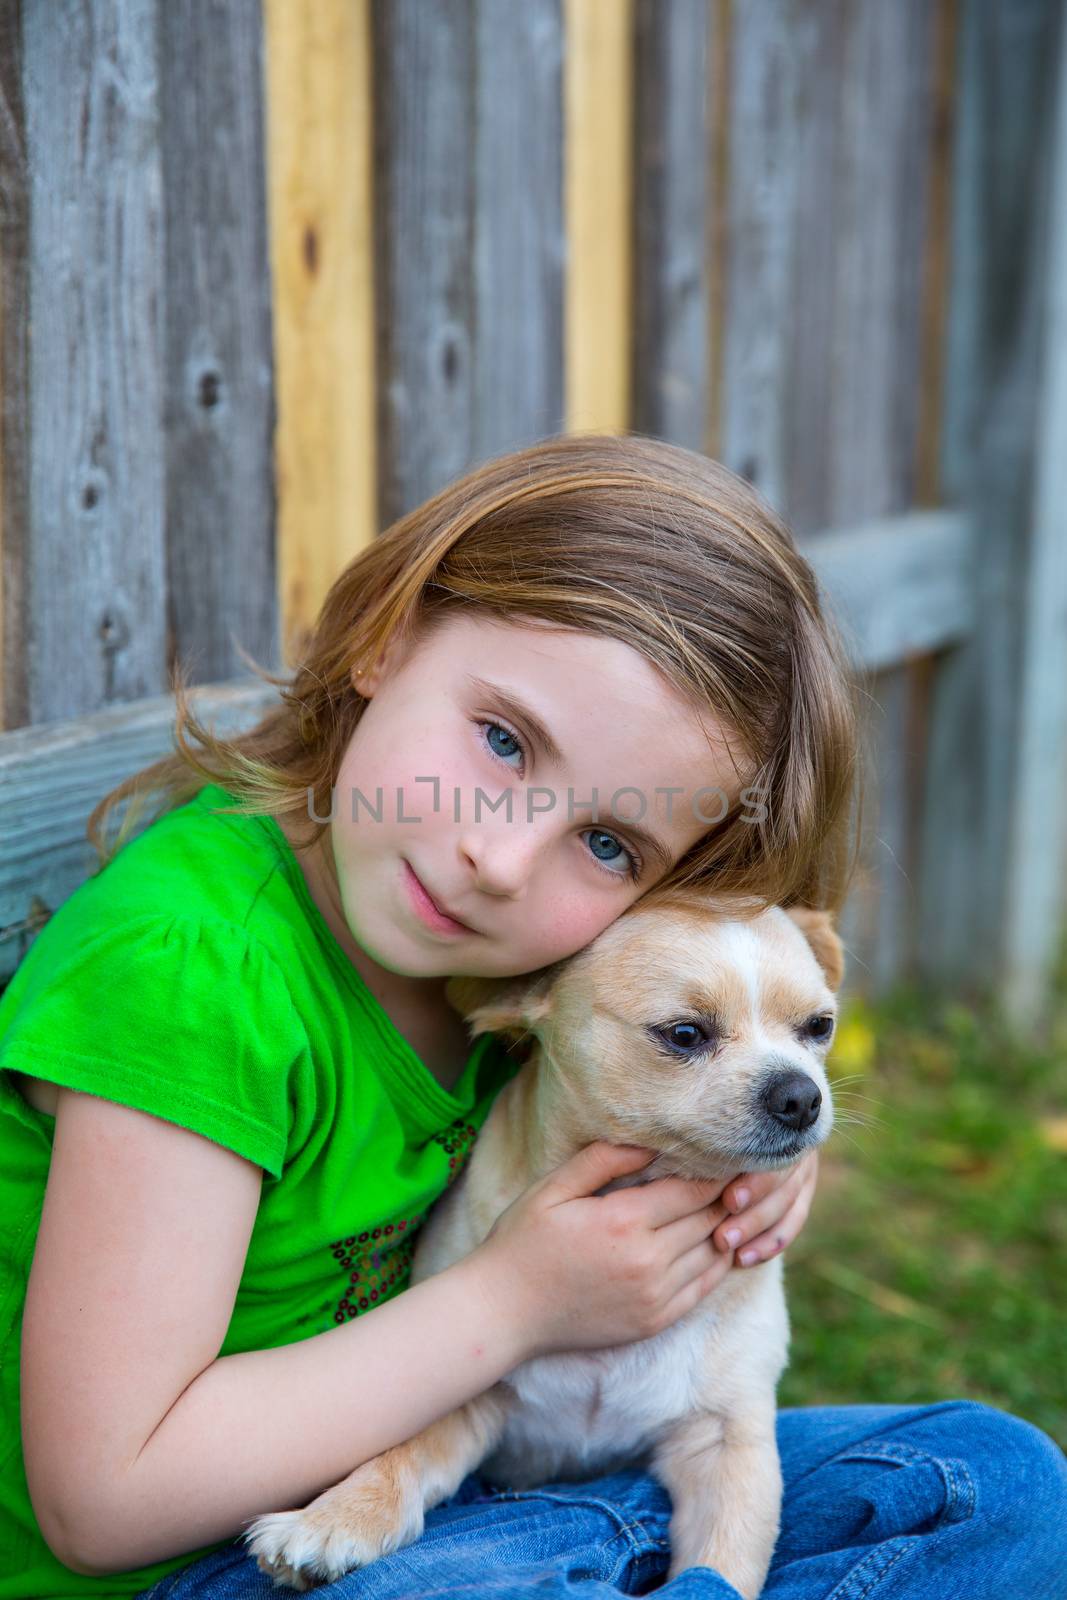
[
  {"x": 276, "y": 1544},
  {"x": 351, "y": 1525}
]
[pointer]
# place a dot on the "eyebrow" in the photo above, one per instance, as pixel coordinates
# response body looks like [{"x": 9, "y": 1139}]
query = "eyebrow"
[{"x": 514, "y": 707}]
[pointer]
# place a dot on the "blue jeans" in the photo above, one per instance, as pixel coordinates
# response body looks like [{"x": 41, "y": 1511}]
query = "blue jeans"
[{"x": 953, "y": 1501}]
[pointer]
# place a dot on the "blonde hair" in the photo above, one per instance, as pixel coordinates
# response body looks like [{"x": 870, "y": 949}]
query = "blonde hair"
[{"x": 623, "y": 536}]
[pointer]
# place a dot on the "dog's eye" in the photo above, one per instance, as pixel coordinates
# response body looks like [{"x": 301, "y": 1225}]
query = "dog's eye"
[
  {"x": 819, "y": 1028},
  {"x": 684, "y": 1037}
]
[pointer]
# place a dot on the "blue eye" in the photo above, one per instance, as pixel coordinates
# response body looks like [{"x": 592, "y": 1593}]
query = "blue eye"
[
  {"x": 634, "y": 864},
  {"x": 501, "y": 741},
  {"x": 625, "y": 862}
]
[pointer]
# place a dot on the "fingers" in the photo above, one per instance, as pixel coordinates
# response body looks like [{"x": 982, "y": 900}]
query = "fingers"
[
  {"x": 696, "y": 1228},
  {"x": 748, "y": 1188},
  {"x": 700, "y": 1259},
  {"x": 591, "y": 1167},
  {"x": 664, "y": 1200},
  {"x": 769, "y": 1226},
  {"x": 778, "y": 1238}
]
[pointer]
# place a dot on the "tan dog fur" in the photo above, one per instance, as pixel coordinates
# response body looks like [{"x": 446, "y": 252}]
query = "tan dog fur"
[{"x": 696, "y": 1403}]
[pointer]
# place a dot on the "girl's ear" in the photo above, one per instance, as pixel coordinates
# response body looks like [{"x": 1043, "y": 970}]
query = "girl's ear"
[
  {"x": 502, "y": 1005},
  {"x": 366, "y": 681},
  {"x": 818, "y": 928}
]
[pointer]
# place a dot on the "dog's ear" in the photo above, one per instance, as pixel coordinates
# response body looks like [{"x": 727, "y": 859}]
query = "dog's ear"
[
  {"x": 818, "y": 928},
  {"x": 502, "y": 1005}
]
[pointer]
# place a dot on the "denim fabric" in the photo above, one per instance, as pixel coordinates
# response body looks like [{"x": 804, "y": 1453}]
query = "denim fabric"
[{"x": 953, "y": 1501}]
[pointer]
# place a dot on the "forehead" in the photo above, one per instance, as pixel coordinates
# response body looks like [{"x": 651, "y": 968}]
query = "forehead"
[
  {"x": 689, "y": 961},
  {"x": 548, "y": 658}
]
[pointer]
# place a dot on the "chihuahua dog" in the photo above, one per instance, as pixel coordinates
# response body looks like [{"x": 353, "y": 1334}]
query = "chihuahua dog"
[{"x": 701, "y": 1036}]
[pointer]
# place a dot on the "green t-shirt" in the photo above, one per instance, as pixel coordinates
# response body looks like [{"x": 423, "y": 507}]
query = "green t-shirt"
[{"x": 196, "y": 979}]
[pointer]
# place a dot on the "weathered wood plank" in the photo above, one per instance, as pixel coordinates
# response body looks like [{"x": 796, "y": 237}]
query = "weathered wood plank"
[
  {"x": 470, "y": 245},
  {"x": 830, "y": 130},
  {"x": 882, "y": 893},
  {"x": 829, "y": 134},
  {"x": 1036, "y": 883},
  {"x": 94, "y": 579},
  {"x": 720, "y": 78},
  {"x": 424, "y": 289},
  {"x": 671, "y": 176},
  {"x": 900, "y": 586},
  {"x": 518, "y": 224},
  {"x": 14, "y": 373},
  {"x": 883, "y": 156},
  {"x": 779, "y": 231},
  {"x": 218, "y": 404},
  {"x": 771, "y": 50},
  {"x": 994, "y": 822},
  {"x": 830, "y": 124},
  {"x": 52, "y": 776},
  {"x": 882, "y": 159},
  {"x": 935, "y": 293}
]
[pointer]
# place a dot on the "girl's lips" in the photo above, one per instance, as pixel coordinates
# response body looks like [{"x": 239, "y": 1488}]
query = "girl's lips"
[{"x": 429, "y": 912}]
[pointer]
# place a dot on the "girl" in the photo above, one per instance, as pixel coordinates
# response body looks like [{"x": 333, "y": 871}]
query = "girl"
[{"x": 233, "y": 1086}]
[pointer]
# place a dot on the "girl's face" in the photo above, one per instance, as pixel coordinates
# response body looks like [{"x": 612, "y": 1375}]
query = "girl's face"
[{"x": 484, "y": 718}]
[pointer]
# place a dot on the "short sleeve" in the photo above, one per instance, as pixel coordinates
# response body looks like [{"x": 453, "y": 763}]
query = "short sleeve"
[{"x": 184, "y": 1017}]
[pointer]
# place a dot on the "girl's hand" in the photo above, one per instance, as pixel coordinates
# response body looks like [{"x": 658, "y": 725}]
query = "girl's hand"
[
  {"x": 570, "y": 1269},
  {"x": 775, "y": 1210}
]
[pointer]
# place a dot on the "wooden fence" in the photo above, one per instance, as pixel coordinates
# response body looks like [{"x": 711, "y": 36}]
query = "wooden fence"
[{"x": 272, "y": 273}]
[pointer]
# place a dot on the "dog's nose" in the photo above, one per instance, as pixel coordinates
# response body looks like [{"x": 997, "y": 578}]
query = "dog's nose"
[{"x": 792, "y": 1098}]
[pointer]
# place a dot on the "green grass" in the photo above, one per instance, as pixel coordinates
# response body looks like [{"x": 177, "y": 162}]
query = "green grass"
[{"x": 934, "y": 1264}]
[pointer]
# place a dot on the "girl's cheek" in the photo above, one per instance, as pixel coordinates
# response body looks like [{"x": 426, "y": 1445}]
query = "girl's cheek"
[
  {"x": 408, "y": 797},
  {"x": 451, "y": 793},
  {"x": 571, "y": 922}
]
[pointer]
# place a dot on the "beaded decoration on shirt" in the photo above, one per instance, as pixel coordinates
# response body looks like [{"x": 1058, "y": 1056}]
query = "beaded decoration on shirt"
[{"x": 377, "y": 1262}]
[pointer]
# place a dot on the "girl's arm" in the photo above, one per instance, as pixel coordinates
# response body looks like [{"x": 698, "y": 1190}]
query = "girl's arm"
[
  {"x": 139, "y": 1441},
  {"x": 142, "y": 1443}
]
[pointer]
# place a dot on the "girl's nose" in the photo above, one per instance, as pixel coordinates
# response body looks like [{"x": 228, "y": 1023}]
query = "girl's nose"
[{"x": 499, "y": 859}]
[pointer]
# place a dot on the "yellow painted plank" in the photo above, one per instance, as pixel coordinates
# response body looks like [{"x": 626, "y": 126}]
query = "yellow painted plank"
[
  {"x": 598, "y": 203},
  {"x": 320, "y": 159}
]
